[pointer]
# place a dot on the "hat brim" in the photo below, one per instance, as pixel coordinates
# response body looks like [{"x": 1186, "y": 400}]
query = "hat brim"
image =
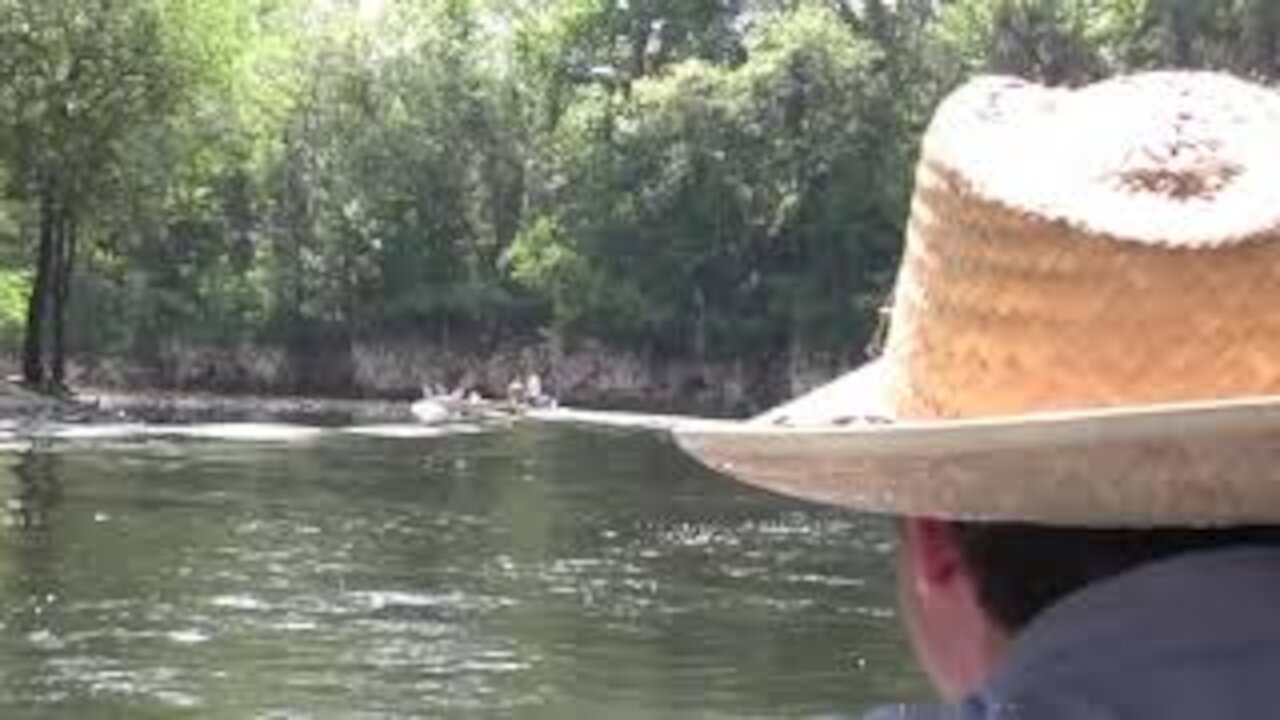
[{"x": 1210, "y": 463}]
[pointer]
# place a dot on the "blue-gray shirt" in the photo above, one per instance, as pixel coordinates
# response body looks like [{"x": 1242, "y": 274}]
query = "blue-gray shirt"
[{"x": 1196, "y": 637}]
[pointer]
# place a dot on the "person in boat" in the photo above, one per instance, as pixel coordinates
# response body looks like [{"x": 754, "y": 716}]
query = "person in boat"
[
  {"x": 535, "y": 395},
  {"x": 528, "y": 393},
  {"x": 1075, "y": 417},
  {"x": 516, "y": 395}
]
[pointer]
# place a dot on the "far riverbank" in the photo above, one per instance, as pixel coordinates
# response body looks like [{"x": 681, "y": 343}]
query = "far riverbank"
[{"x": 374, "y": 382}]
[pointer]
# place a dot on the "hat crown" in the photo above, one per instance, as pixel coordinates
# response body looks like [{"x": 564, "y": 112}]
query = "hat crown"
[{"x": 1113, "y": 245}]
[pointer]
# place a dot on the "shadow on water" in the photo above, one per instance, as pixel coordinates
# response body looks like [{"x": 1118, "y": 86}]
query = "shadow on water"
[
  {"x": 38, "y": 492},
  {"x": 525, "y": 572}
]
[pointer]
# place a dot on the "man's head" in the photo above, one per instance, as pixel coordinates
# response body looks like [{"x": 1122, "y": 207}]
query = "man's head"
[
  {"x": 1081, "y": 334},
  {"x": 967, "y": 589}
]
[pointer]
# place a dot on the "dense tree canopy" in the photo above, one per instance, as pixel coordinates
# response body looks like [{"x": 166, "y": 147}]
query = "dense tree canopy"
[{"x": 695, "y": 178}]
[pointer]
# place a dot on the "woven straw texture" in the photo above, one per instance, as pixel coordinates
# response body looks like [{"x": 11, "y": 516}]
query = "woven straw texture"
[{"x": 1015, "y": 297}]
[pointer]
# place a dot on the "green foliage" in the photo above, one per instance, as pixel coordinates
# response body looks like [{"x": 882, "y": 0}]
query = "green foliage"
[
  {"x": 15, "y": 288},
  {"x": 705, "y": 178},
  {"x": 716, "y": 209},
  {"x": 1071, "y": 41},
  {"x": 1043, "y": 40}
]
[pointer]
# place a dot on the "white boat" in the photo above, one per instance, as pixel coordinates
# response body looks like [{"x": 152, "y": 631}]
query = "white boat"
[
  {"x": 437, "y": 408},
  {"x": 432, "y": 411}
]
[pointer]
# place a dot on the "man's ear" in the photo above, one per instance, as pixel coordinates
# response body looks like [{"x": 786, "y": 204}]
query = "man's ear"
[
  {"x": 935, "y": 558},
  {"x": 954, "y": 638}
]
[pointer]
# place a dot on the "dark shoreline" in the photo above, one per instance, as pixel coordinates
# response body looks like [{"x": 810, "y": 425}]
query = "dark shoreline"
[{"x": 355, "y": 380}]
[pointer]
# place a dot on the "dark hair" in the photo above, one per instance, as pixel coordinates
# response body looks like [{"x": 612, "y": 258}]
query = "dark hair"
[{"x": 1022, "y": 569}]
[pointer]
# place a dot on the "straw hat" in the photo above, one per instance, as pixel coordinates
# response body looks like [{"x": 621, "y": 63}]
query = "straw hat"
[{"x": 1086, "y": 323}]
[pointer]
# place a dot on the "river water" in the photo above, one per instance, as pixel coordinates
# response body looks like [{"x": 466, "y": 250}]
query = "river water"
[{"x": 279, "y": 572}]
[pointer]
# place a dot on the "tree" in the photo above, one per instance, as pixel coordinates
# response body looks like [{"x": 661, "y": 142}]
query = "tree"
[
  {"x": 724, "y": 208},
  {"x": 696, "y": 178},
  {"x": 77, "y": 77},
  {"x": 1049, "y": 41}
]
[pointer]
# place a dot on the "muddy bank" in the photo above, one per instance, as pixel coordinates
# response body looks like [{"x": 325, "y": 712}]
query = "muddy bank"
[
  {"x": 23, "y": 405},
  {"x": 207, "y": 380}
]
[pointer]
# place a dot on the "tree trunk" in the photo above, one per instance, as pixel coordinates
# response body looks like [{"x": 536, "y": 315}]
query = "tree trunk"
[
  {"x": 1182, "y": 27},
  {"x": 66, "y": 257},
  {"x": 1263, "y": 34},
  {"x": 53, "y": 318},
  {"x": 33, "y": 348},
  {"x": 699, "y": 324}
]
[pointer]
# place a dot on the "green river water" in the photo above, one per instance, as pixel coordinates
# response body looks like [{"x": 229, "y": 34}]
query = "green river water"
[{"x": 282, "y": 572}]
